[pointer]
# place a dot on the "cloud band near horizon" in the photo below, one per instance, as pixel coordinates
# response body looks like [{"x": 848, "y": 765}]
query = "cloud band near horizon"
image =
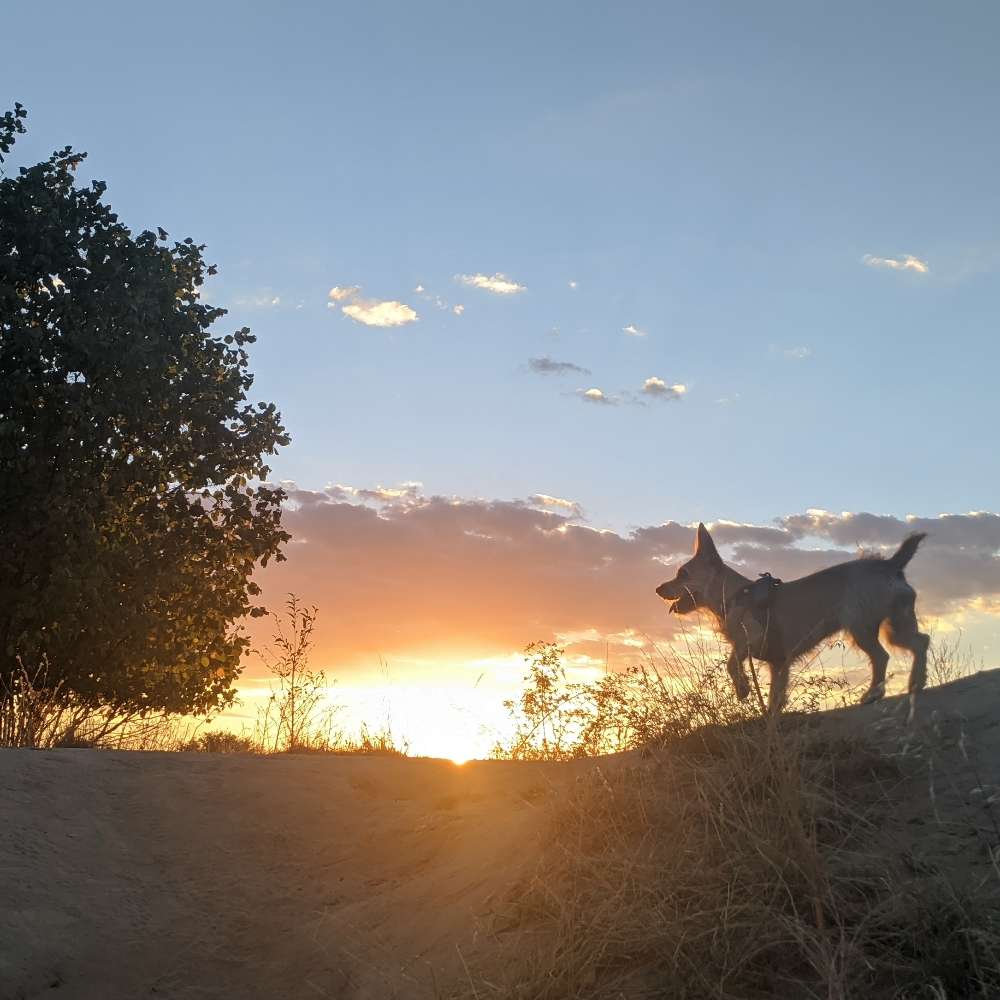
[{"x": 398, "y": 573}]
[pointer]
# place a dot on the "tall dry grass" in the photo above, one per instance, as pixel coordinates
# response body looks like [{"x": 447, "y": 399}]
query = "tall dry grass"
[
  {"x": 663, "y": 696},
  {"x": 37, "y": 713},
  {"x": 734, "y": 856}
]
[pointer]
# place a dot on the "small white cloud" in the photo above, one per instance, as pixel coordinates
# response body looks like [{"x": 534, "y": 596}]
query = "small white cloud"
[
  {"x": 572, "y": 284},
  {"x": 498, "y": 284},
  {"x": 633, "y": 331},
  {"x": 458, "y": 310},
  {"x": 419, "y": 289},
  {"x": 659, "y": 389},
  {"x": 797, "y": 353},
  {"x": 905, "y": 263},
  {"x": 341, "y": 293},
  {"x": 595, "y": 396},
  {"x": 372, "y": 312}
]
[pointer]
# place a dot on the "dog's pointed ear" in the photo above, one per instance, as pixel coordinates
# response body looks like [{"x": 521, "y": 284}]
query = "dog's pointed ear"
[{"x": 704, "y": 546}]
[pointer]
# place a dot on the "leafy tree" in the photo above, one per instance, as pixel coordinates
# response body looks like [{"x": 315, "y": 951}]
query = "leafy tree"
[{"x": 132, "y": 513}]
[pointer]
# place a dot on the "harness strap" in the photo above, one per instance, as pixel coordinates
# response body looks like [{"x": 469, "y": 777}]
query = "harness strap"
[{"x": 758, "y": 598}]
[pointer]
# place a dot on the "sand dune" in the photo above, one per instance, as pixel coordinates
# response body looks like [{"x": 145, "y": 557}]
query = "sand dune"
[{"x": 127, "y": 875}]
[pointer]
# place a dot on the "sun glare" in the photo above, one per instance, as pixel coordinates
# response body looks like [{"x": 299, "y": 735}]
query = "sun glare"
[{"x": 456, "y": 722}]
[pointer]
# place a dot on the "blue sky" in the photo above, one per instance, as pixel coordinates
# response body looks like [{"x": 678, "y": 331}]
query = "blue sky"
[
  {"x": 711, "y": 174},
  {"x": 789, "y": 210}
]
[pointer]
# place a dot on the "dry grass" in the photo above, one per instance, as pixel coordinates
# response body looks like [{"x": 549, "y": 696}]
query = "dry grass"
[
  {"x": 35, "y": 713},
  {"x": 742, "y": 862},
  {"x": 736, "y": 857}
]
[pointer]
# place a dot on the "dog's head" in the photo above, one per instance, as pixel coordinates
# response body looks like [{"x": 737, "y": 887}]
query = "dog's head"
[{"x": 688, "y": 590}]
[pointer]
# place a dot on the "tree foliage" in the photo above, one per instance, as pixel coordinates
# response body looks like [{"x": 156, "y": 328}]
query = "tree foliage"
[{"x": 131, "y": 461}]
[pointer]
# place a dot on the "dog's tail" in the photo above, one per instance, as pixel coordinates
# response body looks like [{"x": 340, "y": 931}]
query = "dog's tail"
[{"x": 897, "y": 562}]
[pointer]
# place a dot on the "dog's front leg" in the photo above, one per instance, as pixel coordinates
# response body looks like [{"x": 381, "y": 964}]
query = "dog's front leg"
[{"x": 740, "y": 680}]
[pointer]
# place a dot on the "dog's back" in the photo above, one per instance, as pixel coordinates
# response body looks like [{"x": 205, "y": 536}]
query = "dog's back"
[{"x": 854, "y": 596}]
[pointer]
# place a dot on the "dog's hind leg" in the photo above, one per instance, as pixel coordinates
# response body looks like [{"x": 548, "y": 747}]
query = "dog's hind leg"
[
  {"x": 866, "y": 639},
  {"x": 905, "y": 633},
  {"x": 779, "y": 687},
  {"x": 740, "y": 680}
]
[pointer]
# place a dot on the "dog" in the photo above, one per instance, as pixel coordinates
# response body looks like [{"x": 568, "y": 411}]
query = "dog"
[{"x": 780, "y": 622}]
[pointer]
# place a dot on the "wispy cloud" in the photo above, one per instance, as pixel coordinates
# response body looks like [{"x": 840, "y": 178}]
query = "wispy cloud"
[
  {"x": 633, "y": 331},
  {"x": 905, "y": 263},
  {"x": 498, "y": 284},
  {"x": 549, "y": 366},
  {"x": 544, "y": 500},
  {"x": 658, "y": 389},
  {"x": 799, "y": 353},
  {"x": 573, "y": 284},
  {"x": 370, "y": 312},
  {"x": 264, "y": 301},
  {"x": 407, "y": 492},
  {"x": 438, "y": 301}
]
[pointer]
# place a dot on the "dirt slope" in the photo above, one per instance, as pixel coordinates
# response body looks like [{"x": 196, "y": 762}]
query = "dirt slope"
[{"x": 201, "y": 876}]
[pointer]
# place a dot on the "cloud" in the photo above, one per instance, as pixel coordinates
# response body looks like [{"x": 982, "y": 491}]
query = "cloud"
[
  {"x": 398, "y": 573},
  {"x": 498, "y": 284},
  {"x": 572, "y": 284},
  {"x": 596, "y": 396},
  {"x": 797, "y": 353},
  {"x": 263, "y": 301},
  {"x": 544, "y": 500},
  {"x": 633, "y": 331},
  {"x": 548, "y": 366},
  {"x": 904, "y": 263},
  {"x": 659, "y": 389},
  {"x": 438, "y": 301},
  {"x": 372, "y": 312}
]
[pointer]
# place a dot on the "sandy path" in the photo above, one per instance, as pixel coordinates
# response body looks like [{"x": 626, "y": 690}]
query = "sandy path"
[{"x": 195, "y": 876}]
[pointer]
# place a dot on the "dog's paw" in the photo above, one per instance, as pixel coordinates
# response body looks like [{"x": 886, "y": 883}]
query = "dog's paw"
[{"x": 875, "y": 693}]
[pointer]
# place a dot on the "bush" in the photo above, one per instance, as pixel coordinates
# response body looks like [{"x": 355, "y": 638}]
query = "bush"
[{"x": 221, "y": 741}]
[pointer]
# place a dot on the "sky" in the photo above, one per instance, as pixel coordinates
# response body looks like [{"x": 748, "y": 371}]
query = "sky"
[{"x": 561, "y": 273}]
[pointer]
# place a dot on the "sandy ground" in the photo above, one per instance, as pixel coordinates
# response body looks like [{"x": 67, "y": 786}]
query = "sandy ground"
[{"x": 126, "y": 875}]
